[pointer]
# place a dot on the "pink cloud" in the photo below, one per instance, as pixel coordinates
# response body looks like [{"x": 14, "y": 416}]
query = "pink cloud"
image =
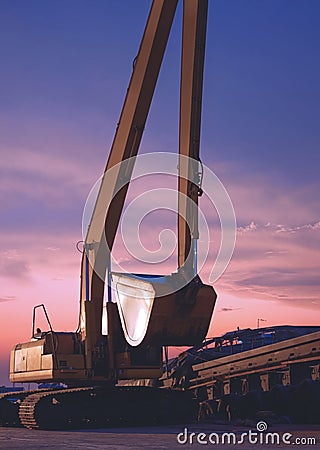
[
  {"x": 274, "y": 271},
  {"x": 276, "y": 263}
]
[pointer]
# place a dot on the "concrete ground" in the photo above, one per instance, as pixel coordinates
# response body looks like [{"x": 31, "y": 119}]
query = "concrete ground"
[{"x": 170, "y": 437}]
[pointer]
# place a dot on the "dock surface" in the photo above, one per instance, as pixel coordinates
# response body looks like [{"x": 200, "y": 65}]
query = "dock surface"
[{"x": 150, "y": 437}]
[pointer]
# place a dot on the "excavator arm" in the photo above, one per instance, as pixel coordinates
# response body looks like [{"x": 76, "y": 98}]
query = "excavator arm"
[
  {"x": 173, "y": 315},
  {"x": 109, "y": 204},
  {"x": 146, "y": 312},
  {"x": 192, "y": 63}
]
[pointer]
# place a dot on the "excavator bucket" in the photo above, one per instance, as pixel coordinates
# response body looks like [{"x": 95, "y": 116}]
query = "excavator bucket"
[{"x": 156, "y": 310}]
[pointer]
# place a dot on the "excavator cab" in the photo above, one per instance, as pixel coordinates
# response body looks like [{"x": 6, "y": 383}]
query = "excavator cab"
[{"x": 49, "y": 356}]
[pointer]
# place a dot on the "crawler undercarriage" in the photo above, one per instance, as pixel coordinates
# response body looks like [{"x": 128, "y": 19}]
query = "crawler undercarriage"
[{"x": 95, "y": 407}]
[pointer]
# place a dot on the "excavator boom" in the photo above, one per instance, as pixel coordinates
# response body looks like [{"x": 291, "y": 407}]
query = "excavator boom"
[{"x": 146, "y": 312}]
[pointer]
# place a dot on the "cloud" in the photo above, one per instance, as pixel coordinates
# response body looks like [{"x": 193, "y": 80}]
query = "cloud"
[
  {"x": 251, "y": 227},
  {"x": 26, "y": 255},
  {"x": 308, "y": 226},
  {"x": 274, "y": 261},
  {"x": 13, "y": 266},
  {"x": 279, "y": 278},
  {"x": 276, "y": 255},
  {"x": 24, "y": 168},
  {"x": 259, "y": 199},
  {"x": 42, "y": 189},
  {"x": 278, "y": 228},
  {"x": 229, "y": 309},
  {"x": 7, "y": 298}
]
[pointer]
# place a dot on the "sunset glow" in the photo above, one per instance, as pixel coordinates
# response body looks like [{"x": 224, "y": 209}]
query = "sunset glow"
[{"x": 65, "y": 70}]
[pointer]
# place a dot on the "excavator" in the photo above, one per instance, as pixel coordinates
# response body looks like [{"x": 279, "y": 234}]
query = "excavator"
[{"x": 103, "y": 373}]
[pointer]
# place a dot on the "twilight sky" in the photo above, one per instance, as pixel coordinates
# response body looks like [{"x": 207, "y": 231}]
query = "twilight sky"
[{"x": 65, "y": 67}]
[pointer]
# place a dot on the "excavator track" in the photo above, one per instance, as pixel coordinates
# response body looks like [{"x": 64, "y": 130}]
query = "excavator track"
[
  {"x": 96, "y": 407},
  {"x": 49, "y": 410},
  {"x": 9, "y": 406}
]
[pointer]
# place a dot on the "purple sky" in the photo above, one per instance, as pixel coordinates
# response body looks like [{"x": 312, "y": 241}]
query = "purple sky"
[{"x": 65, "y": 68}]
